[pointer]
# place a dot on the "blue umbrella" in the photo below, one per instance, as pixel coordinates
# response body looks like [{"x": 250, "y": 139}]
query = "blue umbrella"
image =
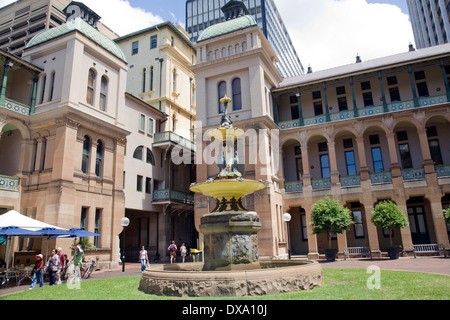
[
  {"x": 80, "y": 233},
  {"x": 51, "y": 232},
  {"x": 15, "y": 231}
]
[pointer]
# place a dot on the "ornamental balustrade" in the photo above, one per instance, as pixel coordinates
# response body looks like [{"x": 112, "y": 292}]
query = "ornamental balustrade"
[
  {"x": 365, "y": 112},
  {"x": 16, "y": 107},
  {"x": 172, "y": 195},
  {"x": 9, "y": 183},
  {"x": 169, "y": 136}
]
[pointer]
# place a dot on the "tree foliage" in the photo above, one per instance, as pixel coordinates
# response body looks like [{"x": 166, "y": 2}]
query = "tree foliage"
[
  {"x": 447, "y": 215},
  {"x": 328, "y": 216},
  {"x": 386, "y": 215}
]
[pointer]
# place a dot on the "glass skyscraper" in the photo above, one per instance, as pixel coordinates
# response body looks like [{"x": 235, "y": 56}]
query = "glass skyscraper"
[
  {"x": 200, "y": 14},
  {"x": 430, "y": 22}
]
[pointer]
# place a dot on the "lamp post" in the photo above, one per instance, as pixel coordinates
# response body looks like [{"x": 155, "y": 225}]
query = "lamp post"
[
  {"x": 286, "y": 218},
  {"x": 124, "y": 222}
]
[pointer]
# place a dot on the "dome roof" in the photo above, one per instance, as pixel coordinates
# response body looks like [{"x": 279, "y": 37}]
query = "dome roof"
[
  {"x": 227, "y": 27},
  {"x": 84, "y": 28}
]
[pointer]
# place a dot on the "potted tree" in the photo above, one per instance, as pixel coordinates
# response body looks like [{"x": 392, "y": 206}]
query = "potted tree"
[
  {"x": 331, "y": 218},
  {"x": 387, "y": 215}
]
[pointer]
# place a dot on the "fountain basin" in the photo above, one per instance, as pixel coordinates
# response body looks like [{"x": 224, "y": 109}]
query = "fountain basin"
[
  {"x": 274, "y": 277},
  {"x": 228, "y": 188}
]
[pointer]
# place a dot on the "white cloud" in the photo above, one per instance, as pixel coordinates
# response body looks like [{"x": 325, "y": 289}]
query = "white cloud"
[
  {"x": 121, "y": 17},
  {"x": 330, "y": 33},
  {"x": 117, "y": 15}
]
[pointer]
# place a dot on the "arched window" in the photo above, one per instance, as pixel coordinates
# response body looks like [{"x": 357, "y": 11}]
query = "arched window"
[
  {"x": 90, "y": 88},
  {"x": 44, "y": 80},
  {"x": 86, "y": 155},
  {"x": 99, "y": 159},
  {"x": 139, "y": 153},
  {"x": 150, "y": 157},
  {"x": 237, "y": 97},
  {"x": 222, "y": 90},
  {"x": 52, "y": 86},
  {"x": 144, "y": 75},
  {"x": 151, "y": 78},
  {"x": 103, "y": 93}
]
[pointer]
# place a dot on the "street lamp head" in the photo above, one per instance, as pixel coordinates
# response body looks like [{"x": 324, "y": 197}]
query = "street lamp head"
[
  {"x": 124, "y": 222},
  {"x": 286, "y": 217}
]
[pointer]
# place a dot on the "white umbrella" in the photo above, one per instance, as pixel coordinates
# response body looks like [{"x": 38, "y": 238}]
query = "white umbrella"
[{"x": 15, "y": 219}]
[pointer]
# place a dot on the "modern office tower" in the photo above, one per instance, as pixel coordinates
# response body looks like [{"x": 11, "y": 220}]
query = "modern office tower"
[
  {"x": 430, "y": 21},
  {"x": 201, "y": 14},
  {"x": 22, "y": 20}
]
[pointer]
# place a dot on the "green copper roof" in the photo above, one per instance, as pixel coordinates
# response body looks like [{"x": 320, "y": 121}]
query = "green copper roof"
[
  {"x": 84, "y": 28},
  {"x": 227, "y": 27}
]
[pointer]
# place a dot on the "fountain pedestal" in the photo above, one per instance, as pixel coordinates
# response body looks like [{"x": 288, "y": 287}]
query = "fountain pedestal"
[{"x": 230, "y": 241}]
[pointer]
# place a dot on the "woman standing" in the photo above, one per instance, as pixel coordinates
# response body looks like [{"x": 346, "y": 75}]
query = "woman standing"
[
  {"x": 38, "y": 272},
  {"x": 183, "y": 251},
  {"x": 144, "y": 258},
  {"x": 53, "y": 266}
]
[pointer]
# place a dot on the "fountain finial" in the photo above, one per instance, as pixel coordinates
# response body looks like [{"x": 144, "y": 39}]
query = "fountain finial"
[{"x": 226, "y": 119}]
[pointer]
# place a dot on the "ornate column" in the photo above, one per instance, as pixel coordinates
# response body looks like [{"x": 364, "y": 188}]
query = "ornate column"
[
  {"x": 8, "y": 65},
  {"x": 413, "y": 87},
  {"x": 445, "y": 78},
  {"x": 300, "y": 108},
  {"x": 383, "y": 95},
  {"x": 355, "y": 107},
  {"x": 325, "y": 98}
]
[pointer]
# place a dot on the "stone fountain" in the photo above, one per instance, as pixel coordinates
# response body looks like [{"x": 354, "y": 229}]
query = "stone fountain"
[{"x": 231, "y": 263}]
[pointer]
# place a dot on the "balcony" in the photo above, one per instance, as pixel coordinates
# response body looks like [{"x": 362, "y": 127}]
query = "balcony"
[
  {"x": 413, "y": 174},
  {"x": 294, "y": 186},
  {"x": 16, "y": 107},
  {"x": 168, "y": 138},
  {"x": 364, "y": 112},
  {"x": 9, "y": 183},
  {"x": 443, "y": 171},
  {"x": 167, "y": 195}
]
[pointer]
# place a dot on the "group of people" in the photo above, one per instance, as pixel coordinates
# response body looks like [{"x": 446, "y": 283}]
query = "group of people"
[
  {"x": 143, "y": 254},
  {"x": 56, "y": 266}
]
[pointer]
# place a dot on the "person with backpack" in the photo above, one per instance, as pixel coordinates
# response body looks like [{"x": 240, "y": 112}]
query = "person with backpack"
[{"x": 173, "y": 251}]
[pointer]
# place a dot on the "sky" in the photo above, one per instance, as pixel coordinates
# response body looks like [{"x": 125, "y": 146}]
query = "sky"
[{"x": 325, "y": 33}]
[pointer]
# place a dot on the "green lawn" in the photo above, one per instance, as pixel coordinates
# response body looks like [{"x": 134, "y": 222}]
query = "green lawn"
[{"x": 339, "y": 284}]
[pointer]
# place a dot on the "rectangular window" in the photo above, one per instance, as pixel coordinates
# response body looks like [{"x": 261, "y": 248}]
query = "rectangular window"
[
  {"x": 150, "y": 126},
  {"x": 153, "y": 42},
  {"x": 342, "y": 103},
  {"x": 435, "y": 151},
  {"x": 139, "y": 182},
  {"x": 351, "y": 164},
  {"x": 148, "y": 185},
  {"x": 395, "y": 94},
  {"x": 318, "y": 109},
  {"x": 359, "y": 227},
  {"x": 377, "y": 160},
  {"x": 83, "y": 220},
  {"x": 135, "y": 48},
  {"x": 98, "y": 214},
  {"x": 325, "y": 165},
  {"x": 142, "y": 122},
  {"x": 368, "y": 99},
  {"x": 294, "y": 113},
  {"x": 374, "y": 139},
  {"x": 422, "y": 88},
  {"x": 405, "y": 156}
]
